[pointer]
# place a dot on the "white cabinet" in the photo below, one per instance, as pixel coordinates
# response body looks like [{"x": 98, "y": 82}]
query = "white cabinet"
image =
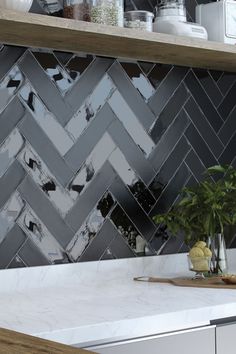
[
  {"x": 226, "y": 339},
  {"x": 194, "y": 341}
]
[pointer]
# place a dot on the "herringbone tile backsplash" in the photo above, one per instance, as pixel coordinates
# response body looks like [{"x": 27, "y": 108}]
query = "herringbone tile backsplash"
[{"x": 91, "y": 148}]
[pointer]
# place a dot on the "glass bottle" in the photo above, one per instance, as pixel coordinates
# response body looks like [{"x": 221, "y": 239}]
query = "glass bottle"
[
  {"x": 108, "y": 12},
  {"x": 77, "y": 10}
]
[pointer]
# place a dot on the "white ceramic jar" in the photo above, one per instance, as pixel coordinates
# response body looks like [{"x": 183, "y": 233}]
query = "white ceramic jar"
[{"x": 16, "y": 5}]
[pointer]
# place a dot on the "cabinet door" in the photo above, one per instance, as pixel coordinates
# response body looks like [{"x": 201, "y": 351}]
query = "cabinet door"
[
  {"x": 226, "y": 339},
  {"x": 197, "y": 341}
]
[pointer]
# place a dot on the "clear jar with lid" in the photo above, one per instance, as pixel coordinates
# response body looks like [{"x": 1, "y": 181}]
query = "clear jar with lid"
[
  {"x": 107, "y": 12},
  {"x": 139, "y": 19},
  {"x": 77, "y": 9}
]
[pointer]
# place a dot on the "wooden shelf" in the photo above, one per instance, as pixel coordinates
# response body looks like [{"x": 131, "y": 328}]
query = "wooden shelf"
[{"x": 32, "y": 30}]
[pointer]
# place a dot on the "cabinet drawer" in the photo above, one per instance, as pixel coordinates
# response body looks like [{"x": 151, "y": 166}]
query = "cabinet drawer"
[
  {"x": 192, "y": 341},
  {"x": 226, "y": 339}
]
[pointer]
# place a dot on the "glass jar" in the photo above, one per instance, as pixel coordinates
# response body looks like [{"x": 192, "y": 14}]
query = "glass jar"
[
  {"x": 139, "y": 19},
  {"x": 77, "y": 10},
  {"x": 108, "y": 12}
]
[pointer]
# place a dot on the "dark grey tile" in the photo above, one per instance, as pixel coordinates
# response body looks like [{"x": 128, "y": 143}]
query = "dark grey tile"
[
  {"x": 31, "y": 255},
  {"x": 87, "y": 201},
  {"x": 228, "y": 102},
  {"x": 131, "y": 96},
  {"x": 226, "y": 81},
  {"x": 45, "y": 88},
  {"x": 10, "y": 181},
  {"x": 229, "y": 127},
  {"x": 16, "y": 263},
  {"x": 10, "y": 245},
  {"x": 77, "y": 65},
  {"x": 136, "y": 214},
  {"x": 203, "y": 101},
  {"x": 169, "y": 168},
  {"x": 158, "y": 74},
  {"x": 85, "y": 85},
  {"x": 9, "y": 118},
  {"x": 43, "y": 208},
  {"x": 131, "y": 151},
  {"x": 120, "y": 249},
  {"x": 200, "y": 146},
  {"x": 97, "y": 247},
  {"x": 195, "y": 165},
  {"x": 169, "y": 113},
  {"x": 85, "y": 144},
  {"x": 209, "y": 85},
  {"x": 167, "y": 89},
  {"x": 9, "y": 56},
  {"x": 169, "y": 140},
  {"x": 45, "y": 148},
  {"x": 228, "y": 154},
  {"x": 204, "y": 127}
]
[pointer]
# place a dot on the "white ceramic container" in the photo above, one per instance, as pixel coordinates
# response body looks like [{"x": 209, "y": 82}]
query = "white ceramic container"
[{"x": 16, "y": 5}]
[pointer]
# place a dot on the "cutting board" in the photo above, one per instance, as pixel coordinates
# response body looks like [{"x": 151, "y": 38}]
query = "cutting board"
[{"x": 214, "y": 282}]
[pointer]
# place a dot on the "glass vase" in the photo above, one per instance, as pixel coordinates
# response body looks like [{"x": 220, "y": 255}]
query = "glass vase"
[{"x": 219, "y": 263}]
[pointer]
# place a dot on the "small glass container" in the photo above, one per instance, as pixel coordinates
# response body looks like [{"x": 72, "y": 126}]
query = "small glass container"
[
  {"x": 77, "y": 10},
  {"x": 199, "y": 265},
  {"x": 107, "y": 12},
  {"x": 139, "y": 19}
]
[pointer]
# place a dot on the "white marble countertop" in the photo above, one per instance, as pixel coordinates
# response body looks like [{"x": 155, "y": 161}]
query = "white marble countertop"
[{"x": 97, "y": 302}]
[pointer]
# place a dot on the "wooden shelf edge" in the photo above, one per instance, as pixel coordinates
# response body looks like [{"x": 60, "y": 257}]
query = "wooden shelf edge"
[{"x": 32, "y": 30}]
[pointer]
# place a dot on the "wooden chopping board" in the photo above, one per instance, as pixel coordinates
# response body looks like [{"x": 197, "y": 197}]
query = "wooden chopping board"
[{"x": 213, "y": 282}]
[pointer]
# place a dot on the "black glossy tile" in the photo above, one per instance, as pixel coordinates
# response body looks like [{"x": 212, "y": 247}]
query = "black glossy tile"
[
  {"x": 229, "y": 127},
  {"x": 200, "y": 146},
  {"x": 209, "y": 85},
  {"x": 169, "y": 113},
  {"x": 204, "y": 127},
  {"x": 77, "y": 65},
  {"x": 120, "y": 249},
  {"x": 169, "y": 140},
  {"x": 228, "y": 103},
  {"x": 158, "y": 73},
  {"x": 9, "y": 56},
  {"x": 167, "y": 88},
  {"x": 16, "y": 263},
  {"x": 143, "y": 5},
  {"x": 228, "y": 154},
  {"x": 195, "y": 165},
  {"x": 31, "y": 255},
  {"x": 203, "y": 101},
  {"x": 169, "y": 167},
  {"x": 226, "y": 81}
]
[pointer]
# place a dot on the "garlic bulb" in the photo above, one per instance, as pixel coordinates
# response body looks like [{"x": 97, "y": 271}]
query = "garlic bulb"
[{"x": 17, "y": 5}]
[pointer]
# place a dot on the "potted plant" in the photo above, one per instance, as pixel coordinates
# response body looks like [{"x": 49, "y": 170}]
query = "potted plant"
[{"x": 204, "y": 210}]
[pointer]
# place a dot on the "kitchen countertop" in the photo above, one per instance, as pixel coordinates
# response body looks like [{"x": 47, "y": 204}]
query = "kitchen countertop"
[{"x": 98, "y": 302}]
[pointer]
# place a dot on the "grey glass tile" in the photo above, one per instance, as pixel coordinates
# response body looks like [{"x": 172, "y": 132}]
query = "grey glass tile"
[
  {"x": 209, "y": 85},
  {"x": 203, "y": 126},
  {"x": 37, "y": 200},
  {"x": 31, "y": 255},
  {"x": 16, "y": 263},
  {"x": 228, "y": 103},
  {"x": 195, "y": 165},
  {"x": 85, "y": 85},
  {"x": 167, "y": 88},
  {"x": 169, "y": 113},
  {"x": 10, "y": 117},
  {"x": 77, "y": 65},
  {"x": 136, "y": 214},
  {"x": 131, "y": 151},
  {"x": 120, "y": 249},
  {"x": 103, "y": 239},
  {"x": 9, "y": 56},
  {"x": 8, "y": 248},
  {"x": 84, "y": 146},
  {"x": 169, "y": 140},
  {"x": 139, "y": 80},
  {"x": 228, "y": 154},
  {"x": 90, "y": 227},
  {"x": 10, "y": 181},
  {"x": 10, "y": 85},
  {"x": 131, "y": 96},
  {"x": 87, "y": 201},
  {"x": 43, "y": 85},
  {"x": 228, "y": 129},
  {"x": 226, "y": 81},
  {"x": 44, "y": 147},
  {"x": 158, "y": 74}
]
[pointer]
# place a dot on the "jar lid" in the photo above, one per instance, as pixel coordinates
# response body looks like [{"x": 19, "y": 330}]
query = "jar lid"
[{"x": 140, "y": 12}]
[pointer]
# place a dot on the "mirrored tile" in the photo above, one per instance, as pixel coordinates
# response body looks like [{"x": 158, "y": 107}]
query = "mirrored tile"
[
  {"x": 37, "y": 169},
  {"x": 78, "y": 64},
  {"x": 90, "y": 108},
  {"x": 90, "y": 227},
  {"x": 9, "y": 150},
  {"x": 10, "y": 85},
  {"x": 132, "y": 181},
  {"x": 132, "y": 125},
  {"x": 16, "y": 263},
  {"x": 139, "y": 80},
  {"x": 54, "y": 70},
  {"x": 92, "y": 165},
  {"x": 40, "y": 236},
  {"x": 107, "y": 255},
  {"x": 53, "y": 129},
  {"x": 158, "y": 73},
  {"x": 127, "y": 229},
  {"x": 9, "y": 213}
]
